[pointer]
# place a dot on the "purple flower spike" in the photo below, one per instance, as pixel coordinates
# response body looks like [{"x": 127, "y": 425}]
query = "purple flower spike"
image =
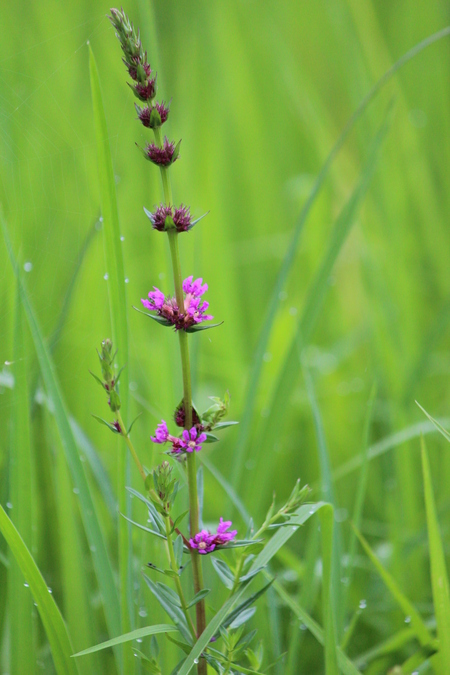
[
  {"x": 205, "y": 542},
  {"x": 162, "y": 156},
  {"x": 161, "y": 433},
  {"x": 193, "y": 311},
  {"x": 191, "y": 441}
]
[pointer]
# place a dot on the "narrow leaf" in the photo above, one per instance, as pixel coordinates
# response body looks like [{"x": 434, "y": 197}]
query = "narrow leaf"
[
  {"x": 199, "y": 596},
  {"x": 52, "y": 620},
  {"x": 137, "y": 634},
  {"x": 439, "y": 577}
]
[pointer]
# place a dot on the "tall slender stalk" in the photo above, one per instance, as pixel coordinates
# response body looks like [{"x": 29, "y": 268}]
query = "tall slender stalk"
[{"x": 187, "y": 400}]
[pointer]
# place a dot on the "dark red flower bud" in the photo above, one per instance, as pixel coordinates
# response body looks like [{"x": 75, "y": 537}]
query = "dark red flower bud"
[
  {"x": 163, "y": 156},
  {"x": 146, "y": 91},
  {"x": 153, "y": 116}
]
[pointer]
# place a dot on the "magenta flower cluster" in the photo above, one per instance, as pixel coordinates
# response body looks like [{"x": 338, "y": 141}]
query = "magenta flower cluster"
[
  {"x": 153, "y": 116},
  {"x": 193, "y": 311},
  {"x": 190, "y": 440},
  {"x": 205, "y": 542}
]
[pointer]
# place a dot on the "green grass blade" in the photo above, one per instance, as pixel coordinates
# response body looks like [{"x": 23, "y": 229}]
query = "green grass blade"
[
  {"x": 119, "y": 325},
  {"x": 22, "y": 644},
  {"x": 389, "y": 443},
  {"x": 289, "y": 257},
  {"x": 362, "y": 486},
  {"x": 423, "y": 634},
  {"x": 328, "y": 495},
  {"x": 91, "y": 524},
  {"x": 328, "y": 596},
  {"x": 435, "y": 423},
  {"x": 52, "y": 620},
  {"x": 289, "y": 369},
  {"x": 439, "y": 577},
  {"x": 345, "y": 665},
  {"x": 133, "y": 635}
]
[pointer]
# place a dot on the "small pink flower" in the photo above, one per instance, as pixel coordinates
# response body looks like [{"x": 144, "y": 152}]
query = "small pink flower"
[{"x": 205, "y": 542}]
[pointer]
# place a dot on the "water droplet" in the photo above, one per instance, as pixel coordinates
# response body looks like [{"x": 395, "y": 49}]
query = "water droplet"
[
  {"x": 49, "y": 590},
  {"x": 362, "y": 604},
  {"x": 87, "y": 42},
  {"x": 312, "y": 511},
  {"x": 26, "y": 585},
  {"x": 101, "y": 219},
  {"x": 28, "y": 266},
  {"x": 407, "y": 619},
  {"x": 9, "y": 505},
  {"x": 267, "y": 357},
  {"x": 133, "y": 386},
  {"x": 127, "y": 281},
  {"x": 195, "y": 660},
  {"x": 35, "y": 604},
  {"x": 92, "y": 548},
  {"x": 293, "y": 311},
  {"x": 282, "y": 295},
  {"x": 122, "y": 238},
  {"x": 161, "y": 276},
  {"x": 76, "y": 491},
  {"x": 139, "y": 640},
  {"x": 143, "y": 612},
  {"x": 303, "y": 626},
  {"x": 106, "y": 276}
]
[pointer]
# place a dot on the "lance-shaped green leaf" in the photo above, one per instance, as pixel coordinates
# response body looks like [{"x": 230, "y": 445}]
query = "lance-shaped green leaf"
[
  {"x": 52, "y": 620},
  {"x": 137, "y": 634},
  {"x": 110, "y": 426},
  {"x": 199, "y": 596},
  {"x": 202, "y": 326},
  {"x": 223, "y": 571},
  {"x": 174, "y": 612}
]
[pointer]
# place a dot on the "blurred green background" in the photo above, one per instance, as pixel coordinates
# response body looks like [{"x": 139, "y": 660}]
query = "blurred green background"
[{"x": 260, "y": 93}]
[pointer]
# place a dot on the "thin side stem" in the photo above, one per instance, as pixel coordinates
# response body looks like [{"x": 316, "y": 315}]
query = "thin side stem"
[{"x": 174, "y": 567}]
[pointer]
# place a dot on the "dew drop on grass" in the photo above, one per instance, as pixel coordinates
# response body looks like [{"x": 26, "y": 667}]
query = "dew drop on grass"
[
  {"x": 101, "y": 219},
  {"x": 106, "y": 276},
  {"x": 26, "y": 585},
  {"x": 139, "y": 640},
  {"x": 93, "y": 549},
  {"x": 407, "y": 619},
  {"x": 143, "y": 612},
  {"x": 49, "y": 590},
  {"x": 195, "y": 660},
  {"x": 9, "y": 505},
  {"x": 28, "y": 266},
  {"x": 362, "y": 604},
  {"x": 127, "y": 281},
  {"x": 122, "y": 238},
  {"x": 76, "y": 491},
  {"x": 303, "y": 626},
  {"x": 293, "y": 311}
]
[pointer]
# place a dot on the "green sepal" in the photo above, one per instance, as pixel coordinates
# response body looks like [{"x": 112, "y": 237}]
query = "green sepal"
[
  {"x": 156, "y": 317},
  {"x": 182, "y": 645},
  {"x": 194, "y": 222},
  {"x": 107, "y": 424},
  {"x": 223, "y": 425},
  {"x": 114, "y": 400},
  {"x": 252, "y": 574},
  {"x": 198, "y": 327},
  {"x": 132, "y": 423},
  {"x": 178, "y": 549},
  {"x": 179, "y": 518},
  {"x": 97, "y": 379},
  {"x": 116, "y": 379},
  {"x": 223, "y": 571},
  {"x": 210, "y": 438},
  {"x": 199, "y": 596},
  {"x": 239, "y": 544},
  {"x": 148, "y": 482},
  {"x": 176, "y": 152}
]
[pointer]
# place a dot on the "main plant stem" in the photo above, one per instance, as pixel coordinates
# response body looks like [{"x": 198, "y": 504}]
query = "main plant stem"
[
  {"x": 174, "y": 567},
  {"x": 187, "y": 399}
]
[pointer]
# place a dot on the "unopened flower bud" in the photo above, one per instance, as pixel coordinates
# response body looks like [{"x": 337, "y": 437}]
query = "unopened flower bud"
[
  {"x": 114, "y": 400},
  {"x": 164, "y": 156},
  {"x": 154, "y": 116},
  {"x": 165, "y": 485}
]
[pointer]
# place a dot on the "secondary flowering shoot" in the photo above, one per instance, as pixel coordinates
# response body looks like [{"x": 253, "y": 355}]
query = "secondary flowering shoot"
[
  {"x": 190, "y": 441},
  {"x": 167, "y": 308},
  {"x": 167, "y": 217},
  {"x": 205, "y": 542}
]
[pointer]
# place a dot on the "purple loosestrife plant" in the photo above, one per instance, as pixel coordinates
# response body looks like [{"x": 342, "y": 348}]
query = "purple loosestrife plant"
[{"x": 186, "y": 312}]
